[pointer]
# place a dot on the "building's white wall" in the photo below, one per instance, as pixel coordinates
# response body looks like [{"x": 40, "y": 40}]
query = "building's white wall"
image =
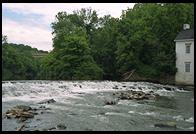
[{"x": 183, "y": 77}]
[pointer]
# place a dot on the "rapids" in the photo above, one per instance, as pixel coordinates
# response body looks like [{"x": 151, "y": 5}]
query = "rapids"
[{"x": 80, "y": 106}]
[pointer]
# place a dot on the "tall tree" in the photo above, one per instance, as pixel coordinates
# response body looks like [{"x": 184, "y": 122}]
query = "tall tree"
[
  {"x": 71, "y": 54},
  {"x": 146, "y": 35},
  {"x": 104, "y": 46}
]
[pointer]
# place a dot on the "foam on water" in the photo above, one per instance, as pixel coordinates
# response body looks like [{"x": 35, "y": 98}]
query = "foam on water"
[
  {"x": 101, "y": 118},
  {"x": 191, "y": 128},
  {"x": 191, "y": 120},
  {"x": 131, "y": 112},
  {"x": 77, "y": 97},
  {"x": 178, "y": 118},
  {"x": 39, "y": 90},
  {"x": 117, "y": 114},
  {"x": 147, "y": 113}
]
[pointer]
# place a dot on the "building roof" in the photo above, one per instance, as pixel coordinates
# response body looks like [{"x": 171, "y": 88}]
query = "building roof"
[{"x": 185, "y": 34}]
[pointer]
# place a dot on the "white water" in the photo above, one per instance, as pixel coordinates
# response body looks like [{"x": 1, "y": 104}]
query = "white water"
[
  {"x": 36, "y": 91},
  {"x": 86, "y": 98}
]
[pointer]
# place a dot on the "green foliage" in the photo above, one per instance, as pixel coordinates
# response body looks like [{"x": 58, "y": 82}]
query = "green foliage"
[
  {"x": 88, "y": 47},
  {"x": 71, "y": 57},
  {"x": 104, "y": 45},
  {"x": 146, "y": 37},
  {"x": 18, "y": 62}
]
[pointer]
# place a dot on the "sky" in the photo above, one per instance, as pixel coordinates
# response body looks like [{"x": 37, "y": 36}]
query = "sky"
[{"x": 30, "y": 23}]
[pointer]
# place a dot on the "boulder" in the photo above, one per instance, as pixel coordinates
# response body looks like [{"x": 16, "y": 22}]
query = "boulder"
[{"x": 22, "y": 112}]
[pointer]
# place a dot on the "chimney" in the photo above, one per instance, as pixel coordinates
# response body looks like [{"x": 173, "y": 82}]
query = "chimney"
[{"x": 186, "y": 26}]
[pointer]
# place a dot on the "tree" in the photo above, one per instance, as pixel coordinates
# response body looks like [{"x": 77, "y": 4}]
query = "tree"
[
  {"x": 84, "y": 18},
  {"x": 18, "y": 62},
  {"x": 4, "y": 39},
  {"x": 71, "y": 57},
  {"x": 146, "y": 34},
  {"x": 90, "y": 47},
  {"x": 104, "y": 46}
]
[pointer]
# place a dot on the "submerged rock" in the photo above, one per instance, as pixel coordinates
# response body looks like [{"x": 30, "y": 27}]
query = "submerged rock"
[
  {"x": 44, "y": 108},
  {"x": 61, "y": 126},
  {"x": 137, "y": 95},
  {"x": 47, "y": 101},
  {"x": 20, "y": 128},
  {"x": 63, "y": 87},
  {"x": 132, "y": 87},
  {"x": 88, "y": 129},
  {"x": 22, "y": 119},
  {"x": 49, "y": 129},
  {"x": 22, "y": 108},
  {"x": 167, "y": 125},
  {"x": 169, "y": 88},
  {"x": 111, "y": 102},
  {"x": 115, "y": 87}
]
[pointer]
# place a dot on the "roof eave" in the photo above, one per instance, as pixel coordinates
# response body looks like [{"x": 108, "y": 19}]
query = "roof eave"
[{"x": 184, "y": 40}]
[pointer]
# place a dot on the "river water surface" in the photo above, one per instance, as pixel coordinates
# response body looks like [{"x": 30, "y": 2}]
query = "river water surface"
[{"x": 80, "y": 106}]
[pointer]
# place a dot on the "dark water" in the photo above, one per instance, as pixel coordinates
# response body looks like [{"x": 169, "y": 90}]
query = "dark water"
[{"x": 80, "y": 106}]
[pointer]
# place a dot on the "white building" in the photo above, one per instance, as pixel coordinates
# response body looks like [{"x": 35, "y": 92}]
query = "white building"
[{"x": 185, "y": 56}]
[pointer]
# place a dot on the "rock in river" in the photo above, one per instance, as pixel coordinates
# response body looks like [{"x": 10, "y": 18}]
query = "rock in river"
[
  {"x": 115, "y": 87},
  {"x": 166, "y": 125},
  {"x": 110, "y": 102},
  {"x": 22, "y": 108},
  {"x": 61, "y": 126},
  {"x": 136, "y": 95},
  {"x": 47, "y": 101},
  {"x": 22, "y": 112}
]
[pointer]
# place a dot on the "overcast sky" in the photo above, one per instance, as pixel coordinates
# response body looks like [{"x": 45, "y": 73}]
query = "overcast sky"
[{"x": 29, "y": 23}]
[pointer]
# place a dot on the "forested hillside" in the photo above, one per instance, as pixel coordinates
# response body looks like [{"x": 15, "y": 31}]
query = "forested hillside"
[
  {"x": 88, "y": 47},
  {"x": 18, "y": 62}
]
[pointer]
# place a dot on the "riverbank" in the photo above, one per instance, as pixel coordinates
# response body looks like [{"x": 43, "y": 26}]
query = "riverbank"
[{"x": 165, "y": 80}]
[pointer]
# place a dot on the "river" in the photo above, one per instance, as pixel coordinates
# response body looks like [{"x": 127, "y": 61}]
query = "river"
[{"x": 80, "y": 106}]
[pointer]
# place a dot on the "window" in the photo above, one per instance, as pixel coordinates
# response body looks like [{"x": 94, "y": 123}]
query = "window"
[
  {"x": 188, "y": 47},
  {"x": 187, "y": 66}
]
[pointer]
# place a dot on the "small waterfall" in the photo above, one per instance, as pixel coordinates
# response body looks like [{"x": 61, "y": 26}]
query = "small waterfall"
[{"x": 47, "y": 89}]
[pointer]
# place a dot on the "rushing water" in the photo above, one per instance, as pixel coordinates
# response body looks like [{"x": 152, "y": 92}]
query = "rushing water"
[{"x": 80, "y": 106}]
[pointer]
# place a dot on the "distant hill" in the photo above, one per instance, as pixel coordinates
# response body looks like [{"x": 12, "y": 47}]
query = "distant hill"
[
  {"x": 20, "y": 62},
  {"x": 26, "y": 49}
]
